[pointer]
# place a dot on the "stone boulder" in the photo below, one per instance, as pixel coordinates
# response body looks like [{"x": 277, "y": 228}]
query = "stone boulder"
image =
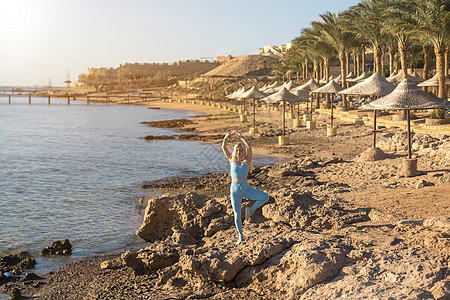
[
  {"x": 157, "y": 256},
  {"x": 302, "y": 211},
  {"x": 185, "y": 217},
  {"x": 308, "y": 262},
  {"x": 220, "y": 259},
  {"x": 58, "y": 248},
  {"x": 11, "y": 266}
]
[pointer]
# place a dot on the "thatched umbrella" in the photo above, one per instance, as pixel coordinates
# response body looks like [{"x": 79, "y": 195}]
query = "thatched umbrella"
[
  {"x": 350, "y": 76},
  {"x": 433, "y": 81},
  {"x": 303, "y": 98},
  {"x": 331, "y": 87},
  {"x": 274, "y": 85},
  {"x": 361, "y": 77},
  {"x": 235, "y": 93},
  {"x": 416, "y": 77},
  {"x": 235, "y": 96},
  {"x": 284, "y": 96},
  {"x": 309, "y": 86},
  {"x": 254, "y": 94},
  {"x": 323, "y": 81},
  {"x": 399, "y": 77},
  {"x": 374, "y": 86},
  {"x": 289, "y": 86},
  {"x": 406, "y": 96}
]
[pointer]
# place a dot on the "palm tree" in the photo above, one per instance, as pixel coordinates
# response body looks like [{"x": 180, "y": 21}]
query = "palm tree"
[
  {"x": 279, "y": 68},
  {"x": 398, "y": 18},
  {"x": 391, "y": 44},
  {"x": 333, "y": 33},
  {"x": 364, "y": 20},
  {"x": 432, "y": 17},
  {"x": 311, "y": 41}
]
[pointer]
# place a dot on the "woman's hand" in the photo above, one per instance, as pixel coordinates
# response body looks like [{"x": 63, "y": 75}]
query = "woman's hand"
[
  {"x": 237, "y": 133},
  {"x": 225, "y": 138}
]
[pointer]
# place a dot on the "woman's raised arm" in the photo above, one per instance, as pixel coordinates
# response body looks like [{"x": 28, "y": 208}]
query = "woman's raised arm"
[
  {"x": 224, "y": 147},
  {"x": 248, "y": 150}
]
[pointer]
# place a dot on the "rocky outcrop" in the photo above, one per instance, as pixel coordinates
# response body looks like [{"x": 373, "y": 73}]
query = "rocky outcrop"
[
  {"x": 308, "y": 262},
  {"x": 435, "y": 150},
  {"x": 11, "y": 266},
  {"x": 186, "y": 218},
  {"x": 58, "y": 248},
  {"x": 220, "y": 259},
  {"x": 301, "y": 210}
]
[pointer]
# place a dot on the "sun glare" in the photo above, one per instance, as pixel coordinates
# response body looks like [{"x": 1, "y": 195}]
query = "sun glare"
[{"x": 16, "y": 19}]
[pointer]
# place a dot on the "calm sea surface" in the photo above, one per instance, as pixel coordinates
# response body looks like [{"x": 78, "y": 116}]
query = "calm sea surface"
[{"x": 74, "y": 171}]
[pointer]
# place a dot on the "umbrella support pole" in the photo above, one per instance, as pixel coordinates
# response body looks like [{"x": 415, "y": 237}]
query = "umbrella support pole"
[
  {"x": 332, "y": 112},
  {"x": 408, "y": 120},
  {"x": 284, "y": 117},
  {"x": 374, "y": 128}
]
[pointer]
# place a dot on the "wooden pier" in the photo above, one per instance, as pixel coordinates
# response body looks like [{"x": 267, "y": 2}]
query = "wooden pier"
[{"x": 107, "y": 99}]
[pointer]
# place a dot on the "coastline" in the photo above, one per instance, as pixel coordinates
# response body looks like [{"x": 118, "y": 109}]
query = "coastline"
[{"x": 332, "y": 178}]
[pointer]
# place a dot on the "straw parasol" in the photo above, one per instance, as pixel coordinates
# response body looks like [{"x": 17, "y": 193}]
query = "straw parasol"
[
  {"x": 331, "y": 87},
  {"x": 309, "y": 86},
  {"x": 391, "y": 76},
  {"x": 304, "y": 96},
  {"x": 375, "y": 86},
  {"x": 235, "y": 95},
  {"x": 350, "y": 76},
  {"x": 359, "y": 78},
  {"x": 288, "y": 85},
  {"x": 433, "y": 81},
  {"x": 323, "y": 81},
  {"x": 399, "y": 77},
  {"x": 254, "y": 94},
  {"x": 406, "y": 96},
  {"x": 274, "y": 85},
  {"x": 416, "y": 78},
  {"x": 282, "y": 95}
]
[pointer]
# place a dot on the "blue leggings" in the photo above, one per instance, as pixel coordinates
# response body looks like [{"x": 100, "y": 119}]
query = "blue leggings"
[{"x": 241, "y": 189}]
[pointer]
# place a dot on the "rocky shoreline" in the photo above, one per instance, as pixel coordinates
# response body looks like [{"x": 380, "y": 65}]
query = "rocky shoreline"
[{"x": 336, "y": 226}]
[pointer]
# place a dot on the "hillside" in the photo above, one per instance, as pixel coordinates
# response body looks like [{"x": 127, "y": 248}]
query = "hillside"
[{"x": 246, "y": 65}]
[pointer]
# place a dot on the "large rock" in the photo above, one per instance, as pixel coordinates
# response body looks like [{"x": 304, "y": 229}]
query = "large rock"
[
  {"x": 308, "y": 262},
  {"x": 11, "y": 266},
  {"x": 184, "y": 217},
  {"x": 301, "y": 210},
  {"x": 221, "y": 259},
  {"x": 58, "y": 248},
  {"x": 155, "y": 257}
]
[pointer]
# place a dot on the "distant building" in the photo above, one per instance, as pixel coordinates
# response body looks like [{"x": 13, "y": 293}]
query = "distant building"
[
  {"x": 222, "y": 59},
  {"x": 272, "y": 50}
]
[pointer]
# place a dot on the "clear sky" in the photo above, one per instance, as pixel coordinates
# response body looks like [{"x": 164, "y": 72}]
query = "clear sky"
[{"x": 43, "y": 39}]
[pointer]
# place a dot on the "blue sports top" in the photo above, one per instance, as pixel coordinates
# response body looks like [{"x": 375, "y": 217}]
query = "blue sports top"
[{"x": 239, "y": 172}]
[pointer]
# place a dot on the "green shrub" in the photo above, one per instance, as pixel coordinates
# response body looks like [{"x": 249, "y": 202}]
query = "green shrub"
[{"x": 437, "y": 113}]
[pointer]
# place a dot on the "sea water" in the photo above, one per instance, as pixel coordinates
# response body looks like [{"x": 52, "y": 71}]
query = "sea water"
[{"x": 74, "y": 172}]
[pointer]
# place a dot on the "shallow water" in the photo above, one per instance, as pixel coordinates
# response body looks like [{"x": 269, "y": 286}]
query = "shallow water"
[{"x": 74, "y": 171}]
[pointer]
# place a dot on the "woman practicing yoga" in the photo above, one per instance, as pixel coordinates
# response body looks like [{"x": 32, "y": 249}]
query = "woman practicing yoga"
[{"x": 240, "y": 162}]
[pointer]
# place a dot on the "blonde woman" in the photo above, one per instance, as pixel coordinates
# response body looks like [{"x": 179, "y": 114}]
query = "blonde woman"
[{"x": 240, "y": 163}]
